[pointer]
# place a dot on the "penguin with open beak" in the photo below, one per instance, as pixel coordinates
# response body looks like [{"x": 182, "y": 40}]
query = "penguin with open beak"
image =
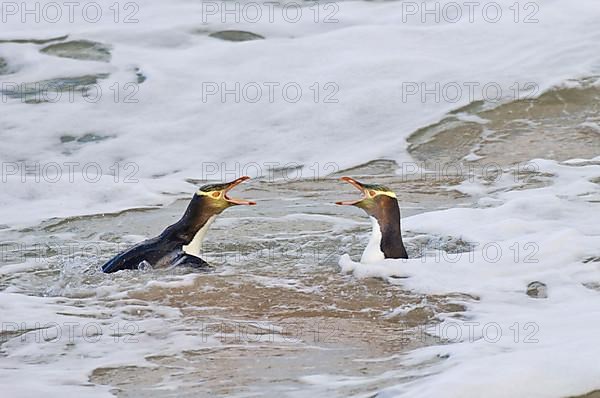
[
  {"x": 381, "y": 205},
  {"x": 181, "y": 243}
]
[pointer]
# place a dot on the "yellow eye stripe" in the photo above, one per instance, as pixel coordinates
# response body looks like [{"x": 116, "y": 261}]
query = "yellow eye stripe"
[
  {"x": 386, "y": 193},
  {"x": 202, "y": 193}
]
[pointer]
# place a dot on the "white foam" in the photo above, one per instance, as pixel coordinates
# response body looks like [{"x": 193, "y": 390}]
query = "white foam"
[
  {"x": 369, "y": 53},
  {"x": 71, "y": 341}
]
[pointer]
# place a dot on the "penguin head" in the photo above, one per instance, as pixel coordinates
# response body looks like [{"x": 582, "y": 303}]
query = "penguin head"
[
  {"x": 375, "y": 200},
  {"x": 216, "y": 196}
]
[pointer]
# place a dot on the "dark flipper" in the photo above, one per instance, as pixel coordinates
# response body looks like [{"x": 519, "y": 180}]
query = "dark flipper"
[
  {"x": 148, "y": 251},
  {"x": 157, "y": 253},
  {"x": 187, "y": 260},
  {"x": 126, "y": 260}
]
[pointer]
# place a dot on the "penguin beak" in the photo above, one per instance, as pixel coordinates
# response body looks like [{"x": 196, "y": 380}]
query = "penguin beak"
[
  {"x": 234, "y": 201},
  {"x": 358, "y": 186}
]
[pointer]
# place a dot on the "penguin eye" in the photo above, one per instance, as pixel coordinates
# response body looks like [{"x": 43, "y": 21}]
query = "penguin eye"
[
  {"x": 372, "y": 193},
  {"x": 216, "y": 194}
]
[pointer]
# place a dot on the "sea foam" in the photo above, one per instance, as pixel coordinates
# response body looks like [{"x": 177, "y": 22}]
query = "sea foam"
[{"x": 171, "y": 130}]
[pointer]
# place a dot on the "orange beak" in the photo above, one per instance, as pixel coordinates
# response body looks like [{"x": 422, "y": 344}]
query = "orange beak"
[
  {"x": 358, "y": 186},
  {"x": 232, "y": 185}
]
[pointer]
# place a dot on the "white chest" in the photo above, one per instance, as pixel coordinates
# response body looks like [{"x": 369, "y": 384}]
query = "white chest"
[
  {"x": 194, "y": 248},
  {"x": 373, "y": 253}
]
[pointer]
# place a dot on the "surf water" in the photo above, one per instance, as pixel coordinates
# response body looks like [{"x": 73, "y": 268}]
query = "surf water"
[
  {"x": 164, "y": 104},
  {"x": 370, "y": 53}
]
